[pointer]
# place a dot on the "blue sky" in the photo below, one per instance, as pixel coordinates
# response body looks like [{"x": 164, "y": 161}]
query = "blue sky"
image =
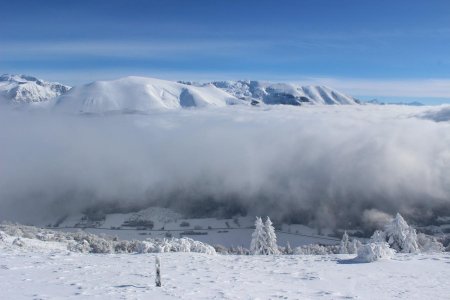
[{"x": 385, "y": 49}]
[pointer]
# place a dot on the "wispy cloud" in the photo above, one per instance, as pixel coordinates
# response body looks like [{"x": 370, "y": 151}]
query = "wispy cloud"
[
  {"x": 433, "y": 87},
  {"x": 125, "y": 49}
]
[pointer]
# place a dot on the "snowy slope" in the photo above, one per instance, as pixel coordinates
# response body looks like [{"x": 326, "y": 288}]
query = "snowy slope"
[
  {"x": 140, "y": 94},
  {"x": 56, "y": 274},
  {"x": 284, "y": 93},
  {"x": 28, "y": 89}
]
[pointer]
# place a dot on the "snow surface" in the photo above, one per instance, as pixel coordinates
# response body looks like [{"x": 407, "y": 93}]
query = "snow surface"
[
  {"x": 58, "y": 274},
  {"x": 19, "y": 89}
]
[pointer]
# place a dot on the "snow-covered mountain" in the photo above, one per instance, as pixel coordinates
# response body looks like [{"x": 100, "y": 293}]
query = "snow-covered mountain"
[
  {"x": 140, "y": 94},
  {"x": 28, "y": 89},
  {"x": 283, "y": 93}
]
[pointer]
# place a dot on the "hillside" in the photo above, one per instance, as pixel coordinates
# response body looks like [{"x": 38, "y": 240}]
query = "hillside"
[{"x": 140, "y": 94}]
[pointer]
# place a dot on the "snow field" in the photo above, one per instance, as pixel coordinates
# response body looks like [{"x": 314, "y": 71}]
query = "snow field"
[{"x": 59, "y": 274}]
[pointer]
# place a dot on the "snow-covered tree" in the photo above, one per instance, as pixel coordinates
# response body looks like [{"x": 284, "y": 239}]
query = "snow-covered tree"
[
  {"x": 400, "y": 236},
  {"x": 312, "y": 249},
  {"x": 2, "y": 236},
  {"x": 288, "y": 250},
  {"x": 378, "y": 237},
  {"x": 18, "y": 242},
  {"x": 345, "y": 243},
  {"x": 354, "y": 246},
  {"x": 429, "y": 243},
  {"x": 271, "y": 238},
  {"x": 373, "y": 252},
  {"x": 239, "y": 250},
  {"x": 410, "y": 244},
  {"x": 348, "y": 247},
  {"x": 258, "y": 246}
]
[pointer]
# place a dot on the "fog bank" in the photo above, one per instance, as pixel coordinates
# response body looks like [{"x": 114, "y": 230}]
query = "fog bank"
[{"x": 323, "y": 166}]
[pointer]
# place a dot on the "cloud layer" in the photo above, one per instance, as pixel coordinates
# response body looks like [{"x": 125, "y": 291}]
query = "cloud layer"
[
  {"x": 415, "y": 88},
  {"x": 325, "y": 166}
]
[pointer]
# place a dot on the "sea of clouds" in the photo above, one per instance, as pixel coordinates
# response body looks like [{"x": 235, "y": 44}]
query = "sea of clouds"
[{"x": 327, "y": 166}]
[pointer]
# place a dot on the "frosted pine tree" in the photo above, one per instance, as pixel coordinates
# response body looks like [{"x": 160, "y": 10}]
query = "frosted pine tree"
[
  {"x": 410, "y": 244},
  {"x": 378, "y": 237},
  {"x": 288, "y": 250},
  {"x": 258, "y": 246},
  {"x": 344, "y": 246},
  {"x": 400, "y": 236},
  {"x": 272, "y": 247},
  {"x": 354, "y": 246}
]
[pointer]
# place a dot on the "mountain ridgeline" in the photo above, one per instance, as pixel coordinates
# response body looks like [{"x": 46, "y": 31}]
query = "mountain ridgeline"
[
  {"x": 28, "y": 89},
  {"x": 141, "y": 94}
]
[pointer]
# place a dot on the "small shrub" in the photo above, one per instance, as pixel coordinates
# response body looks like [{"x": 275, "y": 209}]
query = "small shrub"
[
  {"x": 18, "y": 242},
  {"x": 185, "y": 224}
]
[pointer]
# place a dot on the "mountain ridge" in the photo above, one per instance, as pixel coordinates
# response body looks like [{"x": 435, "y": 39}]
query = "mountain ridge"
[
  {"x": 285, "y": 93},
  {"x": 20, "y": 89},
  {"x": 142, "y": 94}
]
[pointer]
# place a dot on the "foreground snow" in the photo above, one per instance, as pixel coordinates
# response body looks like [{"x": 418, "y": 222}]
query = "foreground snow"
[
  {"x": 59, "y": 274},
  {"x": 45, "y": 264}
]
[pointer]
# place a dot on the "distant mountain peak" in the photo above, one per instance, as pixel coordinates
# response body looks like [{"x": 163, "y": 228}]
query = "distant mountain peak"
[{"x": 19, "y": 88}]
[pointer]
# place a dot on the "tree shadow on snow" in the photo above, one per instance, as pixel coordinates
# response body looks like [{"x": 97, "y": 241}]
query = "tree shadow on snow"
[
  {"x": 130, "y": 285},
  {"x": 351, "y": 261}
]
